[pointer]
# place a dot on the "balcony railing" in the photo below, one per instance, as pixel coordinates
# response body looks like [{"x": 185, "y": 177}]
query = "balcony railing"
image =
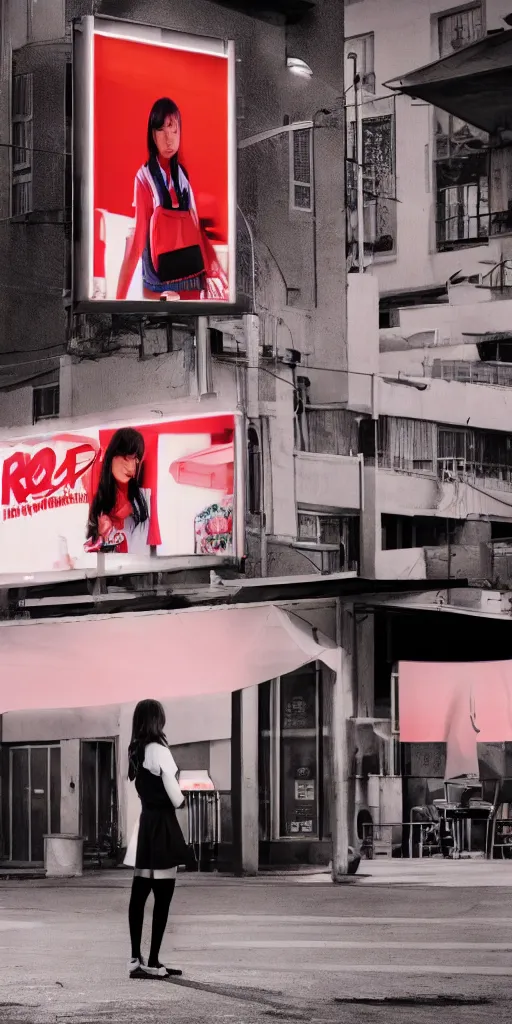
[
  {"x": 482, "y": 476},
  {"x": 497, "y": 374},
  {"x": 460, "y": 227}
]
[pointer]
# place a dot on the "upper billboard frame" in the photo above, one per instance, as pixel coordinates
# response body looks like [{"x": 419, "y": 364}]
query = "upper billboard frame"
[{"x": 212, "y": 290}]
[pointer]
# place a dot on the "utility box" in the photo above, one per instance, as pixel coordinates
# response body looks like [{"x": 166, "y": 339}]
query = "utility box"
[{"x": 63, "y": 856}]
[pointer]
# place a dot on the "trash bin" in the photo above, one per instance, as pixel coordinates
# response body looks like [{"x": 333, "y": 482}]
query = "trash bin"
[
  {"x": 63, "y": 856},
  {"x": 202, "y": 818}
]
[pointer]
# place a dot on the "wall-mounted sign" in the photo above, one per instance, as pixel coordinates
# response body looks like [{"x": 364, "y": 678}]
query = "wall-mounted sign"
[{"x": 133, "y": 493}]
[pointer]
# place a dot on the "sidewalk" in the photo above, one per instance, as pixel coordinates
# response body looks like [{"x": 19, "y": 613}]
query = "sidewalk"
[{"x": 428, "y": 872}]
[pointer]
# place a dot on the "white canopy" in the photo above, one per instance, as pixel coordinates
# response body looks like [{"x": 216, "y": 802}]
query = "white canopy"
[{"x": 109, "y": 659}]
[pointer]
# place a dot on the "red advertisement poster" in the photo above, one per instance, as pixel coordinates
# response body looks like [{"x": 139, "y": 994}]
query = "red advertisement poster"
[
  {"x": 161, "y": 195},
  {"x": 133, "y": 493}
]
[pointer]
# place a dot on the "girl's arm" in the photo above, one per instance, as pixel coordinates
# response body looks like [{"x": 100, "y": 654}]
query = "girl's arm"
[
  {"x": 169, "y": 772},
  {"x": 137, "y": 240}
]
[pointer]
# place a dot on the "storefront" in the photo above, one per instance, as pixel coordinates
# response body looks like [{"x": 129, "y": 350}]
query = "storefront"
[
  {"x": 284, "y": 651},
  {"x": 294, "y": 737}
]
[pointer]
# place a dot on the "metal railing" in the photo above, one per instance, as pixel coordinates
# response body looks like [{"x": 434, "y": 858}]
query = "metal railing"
[
  {"x": 497, "y": 374},
  {"x": 487, "y": 477}
]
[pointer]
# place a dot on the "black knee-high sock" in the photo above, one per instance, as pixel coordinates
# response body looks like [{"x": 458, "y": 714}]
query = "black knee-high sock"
[
  {"x": 163, "y": 890},
  {"x": 141, "y": 888}
]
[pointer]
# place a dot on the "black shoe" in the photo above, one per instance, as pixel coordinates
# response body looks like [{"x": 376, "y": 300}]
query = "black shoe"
[{"x": 160, "y": 971}]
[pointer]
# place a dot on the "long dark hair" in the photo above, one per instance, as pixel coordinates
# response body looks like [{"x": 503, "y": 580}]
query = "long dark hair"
[
  {"x": 147, "y": 727},
  {"x": 125, "y": 441},
  {"x": 162, "y": 109}
]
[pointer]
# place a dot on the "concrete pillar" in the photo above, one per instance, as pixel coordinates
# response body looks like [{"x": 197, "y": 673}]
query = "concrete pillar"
[
  {"x": 365, "y": 664},
  {"x": 342, "y": 709},
  {"x": 252, "y": 348},
  {"x": 70, "y": 787},
  {"x": 371, "y": 541},
  {"x": 66, "y": 387},
  {"x": 244, "y": 781}
]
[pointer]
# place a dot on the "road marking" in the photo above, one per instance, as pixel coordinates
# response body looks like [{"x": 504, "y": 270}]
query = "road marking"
[
  {"x": 444, "y": 969},
  {"x": 336, "y": 944},
  {"x": 341, "y": 921}
]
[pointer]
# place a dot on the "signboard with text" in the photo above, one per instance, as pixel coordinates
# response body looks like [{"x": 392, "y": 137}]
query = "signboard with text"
[{"x": 133, "y": 493}]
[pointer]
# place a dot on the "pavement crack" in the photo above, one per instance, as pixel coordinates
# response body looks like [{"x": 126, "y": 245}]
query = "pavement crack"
[{"x": 414, "y": 1001}]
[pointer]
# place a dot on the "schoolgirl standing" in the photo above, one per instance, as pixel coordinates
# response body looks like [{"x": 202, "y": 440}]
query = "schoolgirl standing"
[
  {"x": 157, "y": 847},
  {"x": 178, "y": 259}
]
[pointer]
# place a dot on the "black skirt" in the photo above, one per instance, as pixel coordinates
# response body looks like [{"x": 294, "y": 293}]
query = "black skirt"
[{"x": 160, "y": 843}]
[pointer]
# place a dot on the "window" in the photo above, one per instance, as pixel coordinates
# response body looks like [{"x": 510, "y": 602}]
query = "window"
[
  {"x": 403, "y": 444},
  {"x": 460, "y": 151},
  {"x": 301, "y": 170},
  {"x": 46, "y": 402},
  {"x": 364, "y": 48},
  {"x": 336, "y": 537},
  {"x": 462, "y": 182},
  {"x": 460, "y": 28},
  {"x": 378, "y": 185},
  {"x": 22, "y": 110}
]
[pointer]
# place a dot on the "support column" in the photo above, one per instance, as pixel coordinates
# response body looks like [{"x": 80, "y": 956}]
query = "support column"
[
  {"x": 244, "y": 781},
  {"x": 365, "y": 662},
  {"x": 203, "y": 359},
  {"x": 70, "y": 787},
  {"x": 342, "y": 709}
]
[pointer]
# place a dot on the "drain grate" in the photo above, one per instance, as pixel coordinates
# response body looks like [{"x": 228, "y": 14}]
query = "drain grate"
[{"x": 415, "y": 1001}]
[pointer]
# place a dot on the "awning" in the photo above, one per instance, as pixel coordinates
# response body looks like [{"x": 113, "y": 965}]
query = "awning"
[
  {"x": 473, "y": 84},
  {"x": 102, "y": 659},
  {"x": 461, "y": 704}
]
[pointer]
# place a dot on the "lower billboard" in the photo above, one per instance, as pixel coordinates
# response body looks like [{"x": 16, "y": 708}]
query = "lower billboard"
[{"x": 130, "y": 493}]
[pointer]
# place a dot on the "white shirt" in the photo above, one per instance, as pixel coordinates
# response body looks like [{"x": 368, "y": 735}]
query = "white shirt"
[{"x": 159, "y": 761}]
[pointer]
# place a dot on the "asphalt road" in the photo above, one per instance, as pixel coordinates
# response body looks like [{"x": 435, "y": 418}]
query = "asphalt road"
[{"x": 257, "y": 952}]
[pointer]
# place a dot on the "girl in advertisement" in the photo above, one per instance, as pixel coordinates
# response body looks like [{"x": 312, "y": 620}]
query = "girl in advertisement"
[
  {"x": 119, "y": 516},
  {"x": 157, "y": 847},
  {"x": 178, "y": 259}
]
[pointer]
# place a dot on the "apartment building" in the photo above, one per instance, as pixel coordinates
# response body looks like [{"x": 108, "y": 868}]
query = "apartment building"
[
  {"x": 278, "y": 362},
  {"x": 438, "y": 486}
]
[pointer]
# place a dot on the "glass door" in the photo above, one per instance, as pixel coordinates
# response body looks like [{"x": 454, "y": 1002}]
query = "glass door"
[{"x": 98, "y": 795}]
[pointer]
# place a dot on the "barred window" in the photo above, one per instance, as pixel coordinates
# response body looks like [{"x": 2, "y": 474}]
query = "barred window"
[
  {"x": 46, "y": 402},
  {"x": 301, "y": 170}
]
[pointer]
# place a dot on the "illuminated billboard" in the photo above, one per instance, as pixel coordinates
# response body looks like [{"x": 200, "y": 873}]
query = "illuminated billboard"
[
  {"x": 154, "y": 167},
  {"x": 131, "y": 494}
]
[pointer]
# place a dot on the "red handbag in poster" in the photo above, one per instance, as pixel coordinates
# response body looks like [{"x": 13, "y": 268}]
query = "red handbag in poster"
[
  {"x": 175, "y": 239},
  {"x": 175, "y": 244}
]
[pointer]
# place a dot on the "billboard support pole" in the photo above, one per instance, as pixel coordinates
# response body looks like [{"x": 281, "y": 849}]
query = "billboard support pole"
[
  {"x": 339, "y": 756},
  {"x": 203, "y": 359}
]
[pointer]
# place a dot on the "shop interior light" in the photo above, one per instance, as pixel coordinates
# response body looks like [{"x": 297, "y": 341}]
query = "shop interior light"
[{"x": 299, "y": 67}]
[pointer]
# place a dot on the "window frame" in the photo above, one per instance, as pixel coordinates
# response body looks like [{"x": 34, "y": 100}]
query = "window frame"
[
  {"x": 294, "y": 182},
  {"x": 36, "y": 391},
  {"x": 365, "y": 72},
  {"x": 451, "y": 12},
  {"x": 21, "y": 172}
]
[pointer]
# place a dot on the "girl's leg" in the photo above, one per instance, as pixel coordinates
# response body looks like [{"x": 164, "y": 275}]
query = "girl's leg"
[
  {"x": 141, "y": 888},
  {"x": 163, "y": 890}
]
